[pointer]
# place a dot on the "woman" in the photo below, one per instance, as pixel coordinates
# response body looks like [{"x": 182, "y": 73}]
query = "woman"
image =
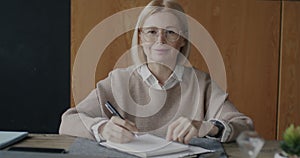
[{"x": 158, "y": 94}]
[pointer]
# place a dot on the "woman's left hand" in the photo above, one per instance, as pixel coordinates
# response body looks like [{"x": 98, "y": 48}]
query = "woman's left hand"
[{"x": 182, "y": 130}]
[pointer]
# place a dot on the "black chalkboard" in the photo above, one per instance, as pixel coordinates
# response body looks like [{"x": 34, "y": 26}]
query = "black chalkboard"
[{"x": 34, "y": 64}]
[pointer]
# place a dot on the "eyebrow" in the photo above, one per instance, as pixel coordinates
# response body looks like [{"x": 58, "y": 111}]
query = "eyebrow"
[{"x": 168, "y": 27}]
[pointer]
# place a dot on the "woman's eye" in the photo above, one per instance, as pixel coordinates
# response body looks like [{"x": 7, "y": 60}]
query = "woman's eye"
[
  {"x": 151, "y": 32},
  {"x": 170, "y": 32}
]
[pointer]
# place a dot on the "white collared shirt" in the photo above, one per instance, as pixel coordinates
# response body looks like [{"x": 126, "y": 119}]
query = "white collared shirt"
[{"x": 151, "y": 80}]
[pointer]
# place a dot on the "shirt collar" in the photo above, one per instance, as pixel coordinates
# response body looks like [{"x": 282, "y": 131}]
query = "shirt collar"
[
  {"x": 177, "y": 73},
  {"x": 144, "y": 72},
  {"x": 151, "y": 80}
]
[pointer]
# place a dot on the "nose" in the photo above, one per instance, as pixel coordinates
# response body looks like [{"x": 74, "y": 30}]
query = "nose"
[{"x": 161, "y": 37}]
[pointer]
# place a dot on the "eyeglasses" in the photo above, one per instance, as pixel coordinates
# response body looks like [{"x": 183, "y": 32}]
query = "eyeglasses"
[{"x": 151, "y": 34}]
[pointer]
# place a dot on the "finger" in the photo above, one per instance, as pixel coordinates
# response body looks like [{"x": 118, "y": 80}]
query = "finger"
[
  {"x": 171, "y": 128},
  {"x": 131, "y": 123},
  {"x": 197, "y": 124},
  {"x": 124, "y": 123},
  {"x": 205, "y": 128},
  {"x": 193, "y": 132},
  {"x": 123, "y": 132},
  {"x": 176, "y": 131},
  {"x": 112, "y": 136},
  {"x": 183, "y": 132},
  {"x": 115, "y": 133},
  {"x": 132, "y": 126},
  {"x": 180, "y": 129},
  {"x": 119, "y": 137}
]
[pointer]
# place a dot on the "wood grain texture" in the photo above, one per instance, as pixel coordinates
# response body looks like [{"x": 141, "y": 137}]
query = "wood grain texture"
[
  {"x": 85, "y": 15},
  {"x": 289, "y": 96},
  {"x": 246, "y": 32},
  {"x": 47, "y": 141}
]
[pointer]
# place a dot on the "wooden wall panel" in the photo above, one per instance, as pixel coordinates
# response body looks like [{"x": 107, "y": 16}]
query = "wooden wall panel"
[
  {"x": 85, "y": 15},
  {"x": 247, "y": 33},
  {"x": 289, "y": 98}
]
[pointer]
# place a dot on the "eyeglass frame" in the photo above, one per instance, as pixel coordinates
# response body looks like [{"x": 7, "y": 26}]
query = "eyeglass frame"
[{"x": 179, "y": 33}]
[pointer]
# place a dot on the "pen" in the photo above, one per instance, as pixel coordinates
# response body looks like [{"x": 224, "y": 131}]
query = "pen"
[
  {"x": 113, "y": 110},
  {"x": 116, "y": 113}
]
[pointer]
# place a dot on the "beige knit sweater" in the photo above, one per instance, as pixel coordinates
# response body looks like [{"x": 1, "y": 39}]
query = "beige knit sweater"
[{"x": 196, "y": 97}]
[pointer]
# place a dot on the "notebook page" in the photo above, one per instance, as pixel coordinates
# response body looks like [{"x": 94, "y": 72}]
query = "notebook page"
[
  {"x": 148, "y": 145},
  {"x": 192, "y": 150}
]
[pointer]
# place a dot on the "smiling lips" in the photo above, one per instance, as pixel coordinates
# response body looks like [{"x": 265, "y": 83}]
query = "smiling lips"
[{"x": 161, "y": 50}]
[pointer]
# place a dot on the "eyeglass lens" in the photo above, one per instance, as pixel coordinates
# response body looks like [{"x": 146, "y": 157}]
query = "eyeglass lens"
[{"x": 151, "y": 34}]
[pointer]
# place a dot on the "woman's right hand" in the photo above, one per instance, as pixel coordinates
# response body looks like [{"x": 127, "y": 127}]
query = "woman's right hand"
[{"x": 118, "y": 130}]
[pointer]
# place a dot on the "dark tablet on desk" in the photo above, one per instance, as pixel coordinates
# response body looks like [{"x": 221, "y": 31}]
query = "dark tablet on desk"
[
  {"x": 8, "y": 138},
  {"x": 42, "y": 150}
]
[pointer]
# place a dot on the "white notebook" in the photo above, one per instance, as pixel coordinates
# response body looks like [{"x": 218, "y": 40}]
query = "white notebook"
[
  {"x": 7, "y": 138},
  {"x": 148, "y": 145}
]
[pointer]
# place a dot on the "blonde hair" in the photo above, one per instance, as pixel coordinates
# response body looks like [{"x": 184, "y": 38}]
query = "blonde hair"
[{"x": 153, "y": 7}]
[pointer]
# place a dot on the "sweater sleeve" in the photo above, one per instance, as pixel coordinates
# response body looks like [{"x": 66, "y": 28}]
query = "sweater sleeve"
[
  {"x": 221, "y": 109},
  {"x": 233, "y": 119},
  {"x": 79, "y": 120}
]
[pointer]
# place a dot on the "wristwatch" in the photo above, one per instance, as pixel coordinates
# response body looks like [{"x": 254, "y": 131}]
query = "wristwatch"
[{"x": 220, "y": 127}]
